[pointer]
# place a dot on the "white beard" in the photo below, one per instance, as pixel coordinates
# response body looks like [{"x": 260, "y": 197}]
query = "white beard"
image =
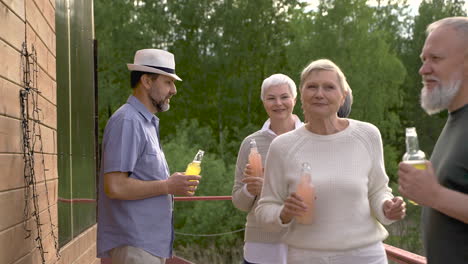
[
  {"x": 163, "y": 107},
  {"x": 440, "y": 97},
  {"x": 160, "y": 106}
]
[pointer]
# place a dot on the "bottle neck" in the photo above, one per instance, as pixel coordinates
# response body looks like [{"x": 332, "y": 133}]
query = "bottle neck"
[
  {"x": 412, "y": 145},
  {"x": 253, "y": 150},
  {"x": 198, "y": 158}
]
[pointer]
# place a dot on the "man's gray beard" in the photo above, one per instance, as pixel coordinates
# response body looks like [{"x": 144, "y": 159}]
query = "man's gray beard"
[
  {"x": 440, "y": 97},
  {"x": 163, "y": 107},
  {"x": 160, "y": 106}
]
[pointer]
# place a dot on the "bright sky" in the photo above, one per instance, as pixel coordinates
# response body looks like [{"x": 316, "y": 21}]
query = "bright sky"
[{"x": 413, "y": 3}]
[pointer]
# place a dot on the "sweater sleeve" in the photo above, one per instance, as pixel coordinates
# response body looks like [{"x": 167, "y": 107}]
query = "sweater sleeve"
[
  {"x": 378, "y": 188},
  {"x": 240, "y": 199},
  {"x": 275, "y": 189}
]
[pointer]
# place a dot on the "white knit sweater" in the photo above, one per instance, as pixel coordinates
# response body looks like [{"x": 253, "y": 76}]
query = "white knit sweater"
[{"x": 350, "y": 181}]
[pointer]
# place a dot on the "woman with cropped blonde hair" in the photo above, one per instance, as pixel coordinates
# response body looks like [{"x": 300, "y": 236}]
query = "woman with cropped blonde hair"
[{"x": 352, "y": 200}]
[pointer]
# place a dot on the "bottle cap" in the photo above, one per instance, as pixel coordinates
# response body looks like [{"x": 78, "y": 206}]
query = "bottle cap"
[
  {"x": 306, "y": 167},
  {"x": 411, "y": 132},
  {"x": 253, "y": 143}
]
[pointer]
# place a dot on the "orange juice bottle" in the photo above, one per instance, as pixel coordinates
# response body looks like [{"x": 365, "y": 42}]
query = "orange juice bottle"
[
  {"x": 255, "y": 159},
  {"x": 306, "y": 190},
  {"x": 194, "y": 167},
  {"x": 413, "y": 156}
]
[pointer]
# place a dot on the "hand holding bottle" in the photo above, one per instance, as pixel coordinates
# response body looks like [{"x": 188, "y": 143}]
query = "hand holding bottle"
[
  {"x": 417, "y": 185},
  {"x": 180, "y": 184},
  {"x": 254, "y": 184},
  {"x": 294, "y": 206}
]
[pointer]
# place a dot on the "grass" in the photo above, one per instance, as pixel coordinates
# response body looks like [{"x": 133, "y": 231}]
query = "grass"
[{"x": 212, "y": 253}]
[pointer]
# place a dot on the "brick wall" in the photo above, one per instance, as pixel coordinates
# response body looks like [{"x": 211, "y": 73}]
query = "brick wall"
[{"x": 32, "y": 21}]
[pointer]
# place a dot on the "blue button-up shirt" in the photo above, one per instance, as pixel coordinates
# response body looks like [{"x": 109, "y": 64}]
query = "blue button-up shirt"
[{"x": 131, "y": 144}]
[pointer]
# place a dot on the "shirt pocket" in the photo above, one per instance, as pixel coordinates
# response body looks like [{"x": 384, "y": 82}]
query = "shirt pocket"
[{"x": 154, "y": 161}]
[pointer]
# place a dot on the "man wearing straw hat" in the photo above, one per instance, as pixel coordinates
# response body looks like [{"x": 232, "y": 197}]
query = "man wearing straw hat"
[{"x": 135, "y": 187}]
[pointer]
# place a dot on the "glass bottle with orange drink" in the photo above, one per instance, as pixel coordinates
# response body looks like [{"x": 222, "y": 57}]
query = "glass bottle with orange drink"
[
  {"x": 306, "y": 190},
  {"x": 194, "y": 167},
  {"x": 255, "y": 159},
  {"x": 414, "y": 156}
]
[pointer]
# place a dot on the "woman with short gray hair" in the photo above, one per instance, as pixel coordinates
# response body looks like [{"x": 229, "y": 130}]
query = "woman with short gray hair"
[{"x": 278, "y": 94}]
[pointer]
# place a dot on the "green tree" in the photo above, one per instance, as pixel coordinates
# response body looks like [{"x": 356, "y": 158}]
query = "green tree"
[{"x": 227, "y": 48}]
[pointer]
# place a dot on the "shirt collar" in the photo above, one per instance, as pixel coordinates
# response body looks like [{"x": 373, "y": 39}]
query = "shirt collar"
[
  {"x": 266, "y": 125},
  {"x": 133, "y": 101}
]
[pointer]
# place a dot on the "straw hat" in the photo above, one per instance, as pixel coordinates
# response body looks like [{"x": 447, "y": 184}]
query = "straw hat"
[{"x": 155, "y": 61}]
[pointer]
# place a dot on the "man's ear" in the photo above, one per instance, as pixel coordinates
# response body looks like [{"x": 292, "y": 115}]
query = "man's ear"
[{"x": 145, "y": 81}]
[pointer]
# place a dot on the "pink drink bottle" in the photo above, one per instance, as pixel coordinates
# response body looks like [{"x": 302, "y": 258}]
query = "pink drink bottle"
[
  {"x": 255, "y": 159},
  {"x": 306, "y": 190}
]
